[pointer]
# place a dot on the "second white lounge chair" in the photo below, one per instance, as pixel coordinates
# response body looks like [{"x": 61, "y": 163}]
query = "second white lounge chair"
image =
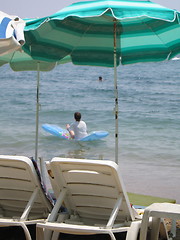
[{"x": 95, "y": 199}]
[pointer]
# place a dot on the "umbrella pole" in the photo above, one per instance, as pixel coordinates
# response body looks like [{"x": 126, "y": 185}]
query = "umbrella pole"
[
  {"x": 116, "y": 96},
  {"x": 37, "y": 113}
]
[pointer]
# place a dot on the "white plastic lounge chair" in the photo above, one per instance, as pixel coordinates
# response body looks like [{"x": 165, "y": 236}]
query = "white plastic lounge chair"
[
  {"x": 158, "y": 211},
  {"x": 95, "y": 198},
  {"x": 22, "y": 199}
]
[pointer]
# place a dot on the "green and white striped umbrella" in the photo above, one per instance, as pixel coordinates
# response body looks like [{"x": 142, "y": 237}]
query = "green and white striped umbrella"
[
  {"x": 106, "y": 33},
  {"x": 145, "y": 31}
]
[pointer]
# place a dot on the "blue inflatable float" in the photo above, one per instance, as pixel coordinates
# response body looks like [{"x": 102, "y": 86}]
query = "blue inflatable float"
[{"x": 64, "y": 134}]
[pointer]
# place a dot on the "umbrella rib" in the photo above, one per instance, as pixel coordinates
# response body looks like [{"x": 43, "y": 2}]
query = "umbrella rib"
[
  {"x": 157, "y": 36},
  {"x": 80, "y": 39}
]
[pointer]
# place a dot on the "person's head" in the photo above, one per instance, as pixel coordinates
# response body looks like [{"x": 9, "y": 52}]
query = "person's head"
[{"x": 77, "y": 116}]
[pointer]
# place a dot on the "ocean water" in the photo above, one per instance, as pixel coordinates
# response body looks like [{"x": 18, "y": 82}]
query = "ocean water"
[{"x": 149, "y": 119}]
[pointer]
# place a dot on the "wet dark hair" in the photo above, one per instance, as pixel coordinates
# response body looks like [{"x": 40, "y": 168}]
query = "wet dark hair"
[{"x": 77, "y": 116}]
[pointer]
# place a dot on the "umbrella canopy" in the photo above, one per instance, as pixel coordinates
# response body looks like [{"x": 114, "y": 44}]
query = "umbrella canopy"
[
  {"x": 145, "y": 31},
  {"x": 21, "y": 61},
  {"x": 11, "y": 33},
  {"x": 106, "y": 33}
]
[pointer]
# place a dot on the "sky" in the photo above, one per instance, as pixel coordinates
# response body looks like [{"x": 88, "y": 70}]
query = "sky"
[{"x": 42, "y": 8}]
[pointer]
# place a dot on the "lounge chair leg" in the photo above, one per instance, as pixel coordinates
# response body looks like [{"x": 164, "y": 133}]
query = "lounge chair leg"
[
  {"x": 112, "y": 235},
  {"x": 155, "y": 228},
  {"x": 133, "y": 231},
  {"x": 144, "y": 225},
  {"x": 26, "y": 231},
  {"x": 15, "y": 224},
  {"x": 39, "y": 234},
  {"x": 173, "y": 228}
]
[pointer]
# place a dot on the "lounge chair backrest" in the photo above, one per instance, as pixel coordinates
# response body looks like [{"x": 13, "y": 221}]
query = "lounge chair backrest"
[
  {"x": 94, "y": 188},
  {"x": 19, "y": 184}
]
